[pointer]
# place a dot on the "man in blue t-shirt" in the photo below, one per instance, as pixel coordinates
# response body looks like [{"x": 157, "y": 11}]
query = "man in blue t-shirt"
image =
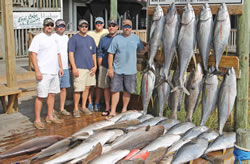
[
  {"x": 122, "y": 68},
  {"x": 102, "y": 60},
  {"x": 82, "y": 57}
]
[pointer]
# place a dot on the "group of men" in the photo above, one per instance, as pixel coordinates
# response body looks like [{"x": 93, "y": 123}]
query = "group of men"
[{"x": 101, "y": 58}]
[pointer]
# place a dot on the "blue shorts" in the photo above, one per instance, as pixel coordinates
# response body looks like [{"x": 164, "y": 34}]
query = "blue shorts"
[
  {"x": 121, "y": 82},
  {"x": 65, "y": 79}
]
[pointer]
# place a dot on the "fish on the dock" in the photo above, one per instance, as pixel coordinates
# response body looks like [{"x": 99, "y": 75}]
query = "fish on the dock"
[
  {"x": 190, "y": 151},
  {"x": 118, "y": 116},
  {"x": 110, "y": 157},
  {"x": 90, "y": 128},
  {"x": 226, "y": 98},
  {"x": 147, "y": 87},
  {"x": 209, "y": 94},
  {"x": 163, "y": 92},
  {"x": 150, "y": 122},
  {"x": 180, "y": 128},
  {"x": 175, "y": 99},
  {"x": 138, "y": 138},
  {"x": 35, "y": 144},
  {"x": 224, "y": 141},
  {"x": 221, "y": 34},
  {"x": 194, "y": 86},
  {"x": 145, "y": 117},
  {"x": 156, "y": 30},
  {"x": 210, "y": 135},
  {"x": 186, "y": 43},
  {"x": 130, "y": 116},
  {"x": 169, "y": 123},
  {"x": 85, "y": 147},
  {"x": 155, "y": 156},
  {"x": 205, "y": 33}
]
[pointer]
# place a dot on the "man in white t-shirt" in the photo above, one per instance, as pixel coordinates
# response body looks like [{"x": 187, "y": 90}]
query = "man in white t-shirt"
[
  {"x": 46, "y": 59},
  {"x": 62, "y": 41}
]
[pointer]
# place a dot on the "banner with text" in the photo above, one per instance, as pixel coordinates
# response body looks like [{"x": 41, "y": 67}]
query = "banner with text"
[{"x": 25, "y": 20}]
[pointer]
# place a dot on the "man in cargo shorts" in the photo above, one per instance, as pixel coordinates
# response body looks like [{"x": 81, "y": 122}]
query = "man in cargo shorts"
[
  {"x": 123, "y": 67},
  {"x": 62, "y": 41},
  {"x": 102, "y": 60},
  {"x": 82, "y": 57},
  {"x": 46, "y": 59}
]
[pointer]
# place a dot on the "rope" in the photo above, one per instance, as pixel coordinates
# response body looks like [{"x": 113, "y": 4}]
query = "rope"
[{"x": 241, "y": 154}]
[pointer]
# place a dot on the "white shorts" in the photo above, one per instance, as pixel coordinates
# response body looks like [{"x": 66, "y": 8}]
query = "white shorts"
[{"x": 49, "y": 84}]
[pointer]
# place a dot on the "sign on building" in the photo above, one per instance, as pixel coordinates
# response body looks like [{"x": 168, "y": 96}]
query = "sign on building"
[
  {"x": 25, "y": 20},
  {"x": 193, "y": 2}
]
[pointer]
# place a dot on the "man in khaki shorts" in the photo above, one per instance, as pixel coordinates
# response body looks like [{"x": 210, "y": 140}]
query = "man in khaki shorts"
[
  {"x": 46, "y": 59},
  {"x": 102, "y": 54},
  {"x": 82, "y": 57}
]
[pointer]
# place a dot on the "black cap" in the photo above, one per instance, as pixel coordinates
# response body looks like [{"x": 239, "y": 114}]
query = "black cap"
[{"x": 112, "y": 21}]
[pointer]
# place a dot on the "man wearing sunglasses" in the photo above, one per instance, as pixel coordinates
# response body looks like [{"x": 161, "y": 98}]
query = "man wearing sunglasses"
[
  {"x": 46, "y": 59},
  {"x": 102, "y": 60},
  {"x": 62, "y": 41},
  {"x": 122, "y": 68},
  {"x": 97, "y": 34},
  {"x": 82, "y": 57}
]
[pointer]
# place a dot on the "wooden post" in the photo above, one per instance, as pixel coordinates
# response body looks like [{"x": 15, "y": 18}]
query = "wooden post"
[
  {"x": 10, "y": 54},
  {"x": 241, "y": 119},
  {"x": 243, "y": 141},
  {"x": 113, "y": 9}
]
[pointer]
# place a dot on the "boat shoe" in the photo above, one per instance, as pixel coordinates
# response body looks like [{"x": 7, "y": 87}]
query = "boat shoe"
[
  {"x": 64, "y": 112},
  {"x": 55, "y": 120},
  {"x": 85, "y": 110},
  {"x": 39, "y": 125},
  {"x": 76, "y": 113}
]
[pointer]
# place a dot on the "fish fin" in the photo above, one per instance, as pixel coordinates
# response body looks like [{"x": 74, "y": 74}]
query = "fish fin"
[
  {"x": 181, "y": 34},
  {"x": 175, "y": 89},
  {"x": 147, "y": 128},
  {"x": 205, "y": 157},
  {"x": 185, "y": 90},
  {"x": 152, "y": 100},
  {"x": 194, "y": 59},
  {"x": 224, "y": 151}
]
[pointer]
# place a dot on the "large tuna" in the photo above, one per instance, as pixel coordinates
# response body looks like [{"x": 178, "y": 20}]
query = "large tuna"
[
  {"x": 227, "y": 95},
  {"x": 147, "y": 87},
  {"x": 205, "y": 33},
  {"x": 194, "y": 86},
  {"x": 156, "y": 33},
  {"x": 169, "y": 38},
  {"x": 221, "y": 33},
  {"x": 186, "y": 42},
  {"x": 163, "y": 92},
  {"x": 209, "y": 95},
  {"x": 175, "y": 99}
]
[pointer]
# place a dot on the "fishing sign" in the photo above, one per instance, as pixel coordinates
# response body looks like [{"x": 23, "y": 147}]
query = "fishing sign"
[{"x": 194, "y": 2}]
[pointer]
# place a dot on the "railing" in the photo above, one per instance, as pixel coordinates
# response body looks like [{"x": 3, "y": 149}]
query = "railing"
[
  {"x": 34, "y": 4},
  {"x": 22, "y": 39}
]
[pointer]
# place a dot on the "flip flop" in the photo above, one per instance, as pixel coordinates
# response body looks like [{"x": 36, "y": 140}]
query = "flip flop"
[{"x": 105, "y": 113}]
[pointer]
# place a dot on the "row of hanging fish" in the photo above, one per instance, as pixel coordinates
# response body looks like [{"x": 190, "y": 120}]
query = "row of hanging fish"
[
  {"x": 179, "y": 37},
  {"x": 131, "y": 137}
]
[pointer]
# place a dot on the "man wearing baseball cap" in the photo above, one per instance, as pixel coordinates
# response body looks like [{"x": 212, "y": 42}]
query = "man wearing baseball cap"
[
  {"x": 82, "y": 57},
  {"x": 62, "y": 41},
  {"x": 97, "y": 34},
  {"x": 46, "y": 59},
  {"x": 102, "y": 60},
  {"x": 123, "y": 68}
]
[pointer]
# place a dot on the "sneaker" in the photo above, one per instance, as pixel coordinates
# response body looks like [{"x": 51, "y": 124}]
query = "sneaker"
[
  {"x": 90, "y": 107},
  {"x": 76, "y": 113},
  {"x": 39, "y": 125},
  {"x": 97, "y": 107},
  {"x": 86, "y": 111},
  {"x": 55, "y": 120},
  {"x": 64, "y": 112}
]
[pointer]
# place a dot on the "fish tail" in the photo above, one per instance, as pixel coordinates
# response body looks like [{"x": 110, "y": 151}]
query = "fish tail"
[
  {"x": 175, "y": 89},
  {"x": 185, "y": 90}
]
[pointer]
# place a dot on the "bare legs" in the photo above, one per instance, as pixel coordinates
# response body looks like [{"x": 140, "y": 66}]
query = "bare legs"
[
  {"x": 62, "y": 98},
  {"x": 115, "y": 100},
  {"x": 84, "y": 98}
]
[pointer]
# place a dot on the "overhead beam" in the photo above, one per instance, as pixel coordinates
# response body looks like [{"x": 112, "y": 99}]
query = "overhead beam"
[{"x": 10, "y": 54}]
